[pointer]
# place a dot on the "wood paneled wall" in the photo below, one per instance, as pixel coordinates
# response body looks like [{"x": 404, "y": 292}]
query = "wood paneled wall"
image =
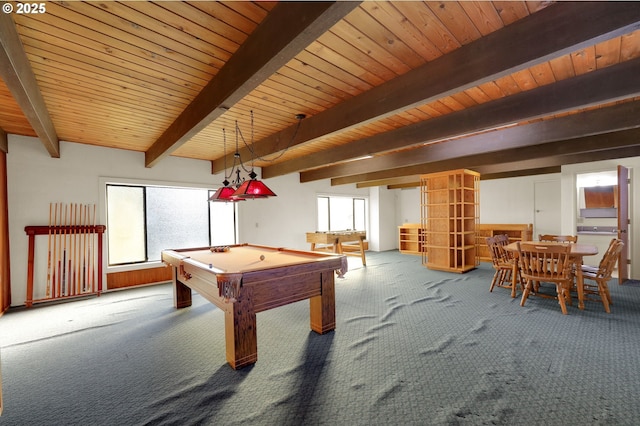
[
  {"x": 5, "y": 270},
  {"x": 117, "y": 280}
]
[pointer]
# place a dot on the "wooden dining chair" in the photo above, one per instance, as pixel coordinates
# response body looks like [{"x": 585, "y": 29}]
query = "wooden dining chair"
[
  {"x": 596, "y": 278},
  {"x": 546, "y": 263},
  {"x": 503, "y": 263},
  {"x": 558, "y": 238}
]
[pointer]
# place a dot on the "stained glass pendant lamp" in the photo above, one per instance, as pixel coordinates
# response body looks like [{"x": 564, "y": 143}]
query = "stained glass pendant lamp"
[
  {"x": 253, "y": 188},
  {"x": 224, "y": 193}
]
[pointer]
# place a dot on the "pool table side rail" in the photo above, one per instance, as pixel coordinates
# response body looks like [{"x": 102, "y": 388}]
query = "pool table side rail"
[
  {"x": 273, "y": 287},
  {"x": 307, "y": 253},
  {"x": 175, "y": 258}
]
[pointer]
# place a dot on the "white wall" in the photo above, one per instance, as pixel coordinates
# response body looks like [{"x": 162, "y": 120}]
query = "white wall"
[
  {"x": 383, "y": 219},
  {"x": 509, "y": 200},
  {"x": 408, "y": 206}
]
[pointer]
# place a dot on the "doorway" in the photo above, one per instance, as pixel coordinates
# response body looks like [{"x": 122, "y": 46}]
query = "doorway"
[
  {"x": 547, "y": 198},
  {"x": 606, "y": 215}
]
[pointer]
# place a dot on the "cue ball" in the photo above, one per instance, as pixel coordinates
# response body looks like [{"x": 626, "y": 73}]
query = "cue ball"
[{"x": 262, "y": 257}]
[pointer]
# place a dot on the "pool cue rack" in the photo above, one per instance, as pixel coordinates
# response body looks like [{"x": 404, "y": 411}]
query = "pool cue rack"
[{"x": 74, "y": 264}]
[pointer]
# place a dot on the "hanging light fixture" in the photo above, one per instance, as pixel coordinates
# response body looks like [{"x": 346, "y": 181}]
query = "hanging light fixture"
[
  {"x": 225, "y": 193},
  {"x": 251, "y": 188},
  {"x": 241, "y": 189}
]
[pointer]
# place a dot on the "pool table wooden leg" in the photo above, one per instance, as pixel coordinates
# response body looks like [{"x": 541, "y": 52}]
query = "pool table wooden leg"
[
  {"x": 181, "y": 293},
  {"x": 323, "y": 307},
  {"x": 240, "y": 331}
]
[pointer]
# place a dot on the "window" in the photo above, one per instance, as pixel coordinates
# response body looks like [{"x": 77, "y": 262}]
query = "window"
[
  {"x": 126, "y": 224},
  {"x": 144, "y": 220},
  {"x": 337, "y": 213}
]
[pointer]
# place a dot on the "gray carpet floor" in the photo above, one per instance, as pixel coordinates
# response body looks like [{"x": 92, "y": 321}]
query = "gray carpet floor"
[{"x": 411, "y": 347}]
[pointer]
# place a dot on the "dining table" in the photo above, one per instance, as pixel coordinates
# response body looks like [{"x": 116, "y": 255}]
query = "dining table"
[{"x": 578, "y": 251}]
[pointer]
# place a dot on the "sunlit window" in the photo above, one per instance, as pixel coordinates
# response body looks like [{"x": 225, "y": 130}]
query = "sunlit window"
[
  {"x": 144, "y": 220},
  {"x": 338, "y": 213},
  {"x": 126, "y": 225}
]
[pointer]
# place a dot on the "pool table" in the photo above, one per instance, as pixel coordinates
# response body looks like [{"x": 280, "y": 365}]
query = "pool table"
[{"x": 245, "y": 279}]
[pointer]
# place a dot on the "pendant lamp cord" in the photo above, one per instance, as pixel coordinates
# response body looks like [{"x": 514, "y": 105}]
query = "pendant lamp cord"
[{"x": 250, "y": 147}]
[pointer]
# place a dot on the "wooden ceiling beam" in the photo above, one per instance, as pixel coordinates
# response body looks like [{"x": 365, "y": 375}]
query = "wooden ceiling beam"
[
  {"x": 487, "y": 146},
  {"x": 555, "y": 154},
  {"x": 548, "y": 160},
  {"x": 521, "y": 173},
  {"x": 558, "y": 161},
  {"x": 288, "y": 28},
  {"x": 403, "y": 185},
  {"x": 598, "y": 87},
  {"x": 398, "y": 182},
  {"x": 414, "y": 181},
  {"x": 17, "y": 74},
  {"x": 555, "y": 31}
]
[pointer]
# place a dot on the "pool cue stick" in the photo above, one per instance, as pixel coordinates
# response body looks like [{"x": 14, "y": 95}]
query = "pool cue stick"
[
  {"x": 64, "y": 253},
  {"x": 55, "y": 251},
  {"x": 60, "y": 257},
  {"x": 48, "y": 292},
  {"x": 89, "y": 258},
  {"x": 72, "y": 246},
  {"x": 88, "y": 247},
  {"x": 67, "y": 252},
  {"x": 78, "y": 248},
  {"x": 59, "y": 283},
  {"x": 84, "y": 249},
  {"x": 95, "y": 252},
  {"x": 70, "y": 252},
  {"x": 75, "y": 250}
]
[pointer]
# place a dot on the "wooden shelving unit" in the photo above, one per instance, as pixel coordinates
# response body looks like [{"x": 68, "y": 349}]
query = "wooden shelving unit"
[
  {"x": 450, "y": 215},
  {"x": 411, "y": 238},
  {"x": 515, "y": 231}
]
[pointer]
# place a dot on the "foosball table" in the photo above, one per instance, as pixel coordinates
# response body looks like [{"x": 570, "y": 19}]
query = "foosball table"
[{"x": 349, "y": 243}]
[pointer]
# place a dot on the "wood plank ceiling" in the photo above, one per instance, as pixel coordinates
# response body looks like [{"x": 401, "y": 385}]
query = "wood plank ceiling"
[{"x": 390, "y": 89}]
